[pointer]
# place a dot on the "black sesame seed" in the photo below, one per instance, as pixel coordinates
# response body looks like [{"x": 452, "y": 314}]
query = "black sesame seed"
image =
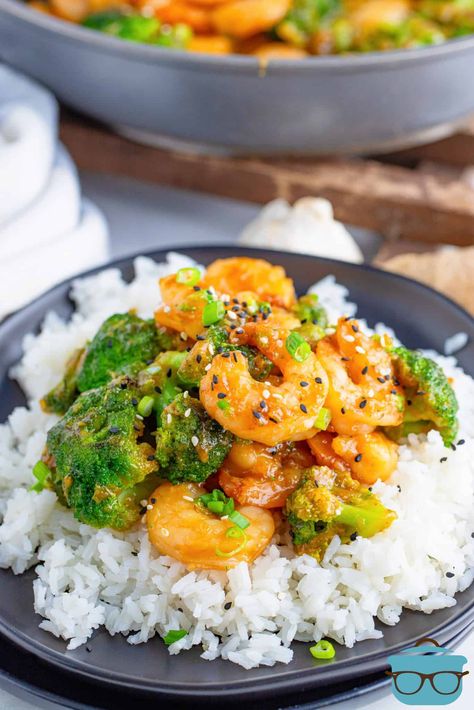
[
  {"x": 420, "y": 393},
  {"x": 393, "y": 392},
  {"x": 148, "y": 362},
  {"x": 226, "y": 355},
  {"x": 236, "y": 308},
  {"x": 443, "y": 459},
  {"x": 188, "y": 350},
  {"x": 235, "y": 300},
  {"x": 134, "y": 401},
  {"x": 305, "y": 320},
  {"x": 221, "y": 395},
  {"x": 153, "y": 501},
  {"x": 303, "y": 383},
  {"x": 453, "y": 446},
  {"x": 197, "y": 288},
  {"x": 362, "y": 403},
  {"x": 239, "y": 331},
  {"x": 245, "y": 304},
  {"x": 369, "y": 489},
  {"x": 233, "y": 326},
  {"x": 303, "y": 408},
  {"x": 88, "y": 649},
  {"x": 396, "y": 382},
  {"x": 158, "y": 389},
  {"x": 265, "y": 315},
  {"x": 315, "y": 321},
  {"x": 318, "y": 380},
  {"x": 354, "y": 536},
  {"x": 143, "y": 510},
  {"x": 399, "y": 488},
  {"x": 450, "y": 574},
  {"x": 114, "y": 429},
  {"x": 381, "y": 380},
  {"x": 123, "y": 385},
  {"x": 365, "y": 370},
  {"x": 272, "y": 419},
  {"x": 227, "y": 606},
  {"x": 263, "y": 404},
  {"x": 256, "y": 414},
  {"x": 236, "y": 359},
  {"x": 110, "y": 343},
  {"x": 169, "y": 373},
  {"x": 151, "y": 457},
  {"x": 198, "y": 358},
  {"x": 215, "y": 379},
  {"x": 220, "y": 349},
  {"x": 461, "y": 442},
  {"x": 345, "y": 359},
  {"x": 358, "y": 458},
  {"x": 200, "y": 337},
  {"x": 355, "y": 328},
  {"x": 343, "y": 411}
]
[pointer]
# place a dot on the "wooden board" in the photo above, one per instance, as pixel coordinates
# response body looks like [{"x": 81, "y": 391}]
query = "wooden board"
[{"x": 430, "y": 205}]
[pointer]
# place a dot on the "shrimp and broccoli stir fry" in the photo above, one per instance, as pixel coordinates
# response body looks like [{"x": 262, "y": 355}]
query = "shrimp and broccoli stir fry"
[
  {"x": 272, "y": 29},
  {"x": 238, "y": 411}
]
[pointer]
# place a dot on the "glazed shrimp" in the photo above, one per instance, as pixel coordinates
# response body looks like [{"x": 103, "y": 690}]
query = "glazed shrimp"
[
  {"x": 182, "y": 307},
  {"x": 180, "y": 528},
  {"x": 238, "y": 274},
  {"x": 253, "y": 474},
  {"x": 263, "y": 411},
  {"x": 363, "y": 392},
  {"x": 368, "y": 457},
  {"x": 244, "y": 18}
]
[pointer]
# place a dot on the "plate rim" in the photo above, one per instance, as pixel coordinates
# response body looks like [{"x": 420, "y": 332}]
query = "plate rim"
[{"x": 288, "y": 678}]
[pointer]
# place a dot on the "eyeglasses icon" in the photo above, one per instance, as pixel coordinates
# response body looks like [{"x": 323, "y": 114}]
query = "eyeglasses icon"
[{"x": 411, "y": 682}]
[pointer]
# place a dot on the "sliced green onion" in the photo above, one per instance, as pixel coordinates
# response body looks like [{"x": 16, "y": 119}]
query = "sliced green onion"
[
  {"x": 188, "y": 276},
  {"x": 216, "y": 506},
  {"x": 145, "y": 406},
  {"x": 228, "y": 507},
  {"x": 233, "y": 533},
  {"x": 240, "y": 520},
  {"x": 41, "y": 473},
  {"x": 298, "y": 347},
  {"x": 265, "y": 307},
  {"x": 323, "y": 650},
  {"x": 223, "y": 404},
  {"x": 174, "y": 635},
  {"x": 323, "y": 419},
  {"x": 213, "y": 312}
]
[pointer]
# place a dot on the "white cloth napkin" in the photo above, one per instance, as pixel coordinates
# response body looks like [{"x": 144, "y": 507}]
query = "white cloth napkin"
[{"x": 46, "y": 233}]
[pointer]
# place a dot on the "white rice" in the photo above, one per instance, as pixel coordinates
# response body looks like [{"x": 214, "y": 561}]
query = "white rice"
[{"x": 88, "y": 578}]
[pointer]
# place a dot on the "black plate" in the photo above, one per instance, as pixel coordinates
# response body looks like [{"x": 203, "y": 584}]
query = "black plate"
[{"x": 422, "y": 318}]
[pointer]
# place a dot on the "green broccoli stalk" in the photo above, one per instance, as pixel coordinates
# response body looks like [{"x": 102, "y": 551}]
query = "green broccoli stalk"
[
  {"x": 326, "y": 504},
  {"x": 194, "y": 365},
  {"x": 431, "y": 402},
  {"x": 123, "y": 345},
  {"x": 98, "y": 467},
  {"x": 190, "y": 446}
]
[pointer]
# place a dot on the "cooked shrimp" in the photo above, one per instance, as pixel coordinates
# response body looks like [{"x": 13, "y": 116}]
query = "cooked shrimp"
[
  {"x": 367, "y": 457},
  {"x": 178, "y": 527},
  {"x": 182, "y": 307},
  {"x": 174, "y": 12},
  {"x": 244, "y": 18},
  {"x": 237, "y": 274},
  {"x": 372, "y": 15},
  {"x": 278, "y": 50},
  {"x": 370, "y": 456},
  {"x": 264, "y": 411},
  {"x": 363, "y": 392},
  {"x": 253, "y": 474},
  {"x": 210, "y": 44}
]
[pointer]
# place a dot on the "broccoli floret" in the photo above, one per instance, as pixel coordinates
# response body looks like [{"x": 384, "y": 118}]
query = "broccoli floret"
[
  {"x": 123, "y": 345},
  {"x": 98, "y": 467},
  {"x": 138, "y": 28},
  {"x": 60, "y": 398},
  {"x": 217, "y": 341},
  {"x": 190, "y": 446},
  {"x": 303, "y": 19},
  {"x": 431, "y": 402},
  {"x": 162, "y": 379},
  {"x": 326, "y": 504}
]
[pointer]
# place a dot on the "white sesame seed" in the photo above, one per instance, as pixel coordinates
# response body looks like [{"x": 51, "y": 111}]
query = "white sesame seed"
[
  {"x": 225, "y": 297},
  {"x": 165, "y": 532},
  {"x": 279, "y": 343},
  {"x": 370, "y": 393},
  {"x": 185, "y": 394},
  {"x": 139, "y": 416},
  {"x": 168, "y": 418},
  {"x": 232, "y": 315},
  {"x": 277, "y": 396},
  {"x": 143, "y": 503},
  {"x": 189, "y": 498},
  {"x": 349, "y": 338},
  {"x": 359, "y": 349},
  {"x": 264, "y": 340},
  {"x": 187, "y": 413},
  {"x": 224, "y": 517},
  {"x": 194, "y": 440},
  {"x": 149, "y": 506},
  {"x": 265, "y": 394},
  {"x": 166, "y": 309},
  {"x": 208, "y": 367},
  {"x": 183, "y": 335},
  {"x": 211, "y": 349}
]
